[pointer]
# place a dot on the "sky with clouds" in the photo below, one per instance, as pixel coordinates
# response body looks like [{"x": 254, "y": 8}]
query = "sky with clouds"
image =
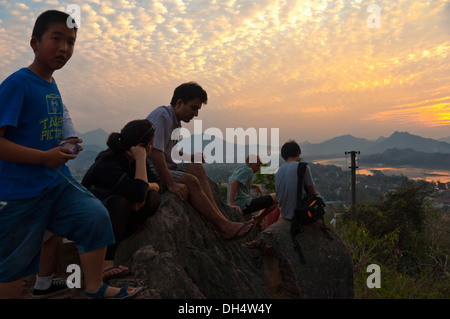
[{"x": 313, "y": 69}]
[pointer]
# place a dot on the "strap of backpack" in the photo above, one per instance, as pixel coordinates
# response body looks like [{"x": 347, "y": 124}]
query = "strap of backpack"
[
  {"x": 301, "y": 170},
  {"x": 296, "y": 224}
]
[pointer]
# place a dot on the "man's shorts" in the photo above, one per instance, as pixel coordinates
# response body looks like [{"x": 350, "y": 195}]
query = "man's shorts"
[
  {"x": 67, "y": 210},
  {"x": 257, "y": 204}
]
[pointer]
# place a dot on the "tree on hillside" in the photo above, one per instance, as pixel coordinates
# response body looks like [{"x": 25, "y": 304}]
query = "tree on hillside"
[
  {"x": 404, "y": 234},
  {"x": 408, "y": 209}
]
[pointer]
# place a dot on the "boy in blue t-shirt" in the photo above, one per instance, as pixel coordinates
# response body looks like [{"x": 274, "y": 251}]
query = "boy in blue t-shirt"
[{"x": 37, "y": 191}]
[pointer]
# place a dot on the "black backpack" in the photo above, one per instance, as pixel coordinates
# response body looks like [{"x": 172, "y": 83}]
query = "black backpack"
[{"x": 307, "y": 211}]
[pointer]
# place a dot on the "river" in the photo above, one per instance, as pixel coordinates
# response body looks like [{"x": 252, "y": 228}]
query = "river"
[{"x": 430, "y": 175}]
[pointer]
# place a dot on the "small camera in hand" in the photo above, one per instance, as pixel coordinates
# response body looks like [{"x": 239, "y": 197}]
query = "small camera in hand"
[{"x": 73, "y": 147}]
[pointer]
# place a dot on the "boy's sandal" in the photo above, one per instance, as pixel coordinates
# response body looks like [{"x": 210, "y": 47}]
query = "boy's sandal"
[{"x": 122, "y": 294}]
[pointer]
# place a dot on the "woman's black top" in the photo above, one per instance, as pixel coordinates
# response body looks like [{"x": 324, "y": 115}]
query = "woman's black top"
[{"x": 113, "y": 174}]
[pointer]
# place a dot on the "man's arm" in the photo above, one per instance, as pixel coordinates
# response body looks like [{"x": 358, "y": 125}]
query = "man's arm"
[
  {"x": 310, "y": 190},
  {"x": 258, "y": 188},
  {"x": 159, "y": 162},
  {"x": 309, "y": 183},
  {"x": 12, "y": 152},
  {"x": 68, "y": 130}
]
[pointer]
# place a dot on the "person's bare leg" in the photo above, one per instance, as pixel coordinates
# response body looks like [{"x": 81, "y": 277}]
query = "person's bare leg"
[
  {"x": 50, "y": 253},
  {"x": 92, "y": 263},
  {"x": 199, "y": 171},
  {"x": 48, "y": 263},
  {"x": 11, "y": 290},
  {"x": 201, "y": 203}
]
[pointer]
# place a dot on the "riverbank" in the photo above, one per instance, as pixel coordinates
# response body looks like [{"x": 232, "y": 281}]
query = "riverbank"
[{"x": 416, "y": 173}]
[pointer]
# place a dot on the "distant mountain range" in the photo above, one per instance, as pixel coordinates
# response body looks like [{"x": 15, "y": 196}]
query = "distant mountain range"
[
  {"x": 337, "y": 146},
  {"x": 333, "y": 147},
  {"x": 97, "y": 137},
  {"x": 96, "y": 141},
  {"x": 401, "y": 148}
]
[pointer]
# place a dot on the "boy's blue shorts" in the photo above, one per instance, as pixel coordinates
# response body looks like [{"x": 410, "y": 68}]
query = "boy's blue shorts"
[{"x": 66, "y": 210}]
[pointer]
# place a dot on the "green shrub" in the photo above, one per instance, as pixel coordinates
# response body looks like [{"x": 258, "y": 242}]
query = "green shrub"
[{"x": 407, "y": 237}]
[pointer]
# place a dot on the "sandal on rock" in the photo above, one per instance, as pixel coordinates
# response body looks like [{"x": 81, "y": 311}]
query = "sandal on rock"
[
  {"x": 118, "y": 275},
  {"x": 122, "y": 294},
  {"x": 239, "y": 234}
]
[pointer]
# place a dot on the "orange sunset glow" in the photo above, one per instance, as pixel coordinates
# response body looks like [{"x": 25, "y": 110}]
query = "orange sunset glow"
[{"x": 313, "y": 69}]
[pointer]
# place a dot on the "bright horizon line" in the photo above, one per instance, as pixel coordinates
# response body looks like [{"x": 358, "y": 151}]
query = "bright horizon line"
[{"x": 440, "y": 139}]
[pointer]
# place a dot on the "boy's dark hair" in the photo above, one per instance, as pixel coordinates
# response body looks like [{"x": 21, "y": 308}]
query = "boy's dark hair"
[
  {"x": 47, "y": 18},
  {"x": 290, "y": 149},
  {"x": 187, "y": 92}
]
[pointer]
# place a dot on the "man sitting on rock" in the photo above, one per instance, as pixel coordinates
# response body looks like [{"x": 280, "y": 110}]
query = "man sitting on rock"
[
  {"x": 187, "y": 180},
  {"x": 239, "y": 191},
  {"x": 286, "y": 180}
]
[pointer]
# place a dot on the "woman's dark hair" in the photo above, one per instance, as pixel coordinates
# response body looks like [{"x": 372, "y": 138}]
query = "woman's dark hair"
[
  {"x": 47, "y": 18},
  {"x": 134, "y": 133},
  {"x": 290, "y": 149},
  {"x": 189, "y": 91}
]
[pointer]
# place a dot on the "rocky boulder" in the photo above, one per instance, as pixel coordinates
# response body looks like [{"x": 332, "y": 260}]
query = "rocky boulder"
[{"x": 178, "y": 254}]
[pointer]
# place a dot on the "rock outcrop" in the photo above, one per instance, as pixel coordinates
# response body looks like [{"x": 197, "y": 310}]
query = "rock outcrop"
[{"x": 178, "y": 254}]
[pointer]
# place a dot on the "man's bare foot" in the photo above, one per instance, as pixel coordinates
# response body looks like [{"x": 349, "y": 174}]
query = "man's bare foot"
[{"x": 236, "y": 230}]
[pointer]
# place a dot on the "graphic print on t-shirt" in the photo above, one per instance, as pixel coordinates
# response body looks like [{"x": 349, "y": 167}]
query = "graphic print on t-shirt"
[{"x": 52, "y": 125}]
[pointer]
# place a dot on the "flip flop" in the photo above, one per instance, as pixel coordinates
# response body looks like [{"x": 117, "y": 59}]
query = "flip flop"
[
  {"x": 122, "y": 294},
  {"x": 237, "y": 236},
  {"x": 118, "y": 275}
]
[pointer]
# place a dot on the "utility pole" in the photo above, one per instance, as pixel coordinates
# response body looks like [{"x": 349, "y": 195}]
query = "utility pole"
[{"x": 353, "y": 167}]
